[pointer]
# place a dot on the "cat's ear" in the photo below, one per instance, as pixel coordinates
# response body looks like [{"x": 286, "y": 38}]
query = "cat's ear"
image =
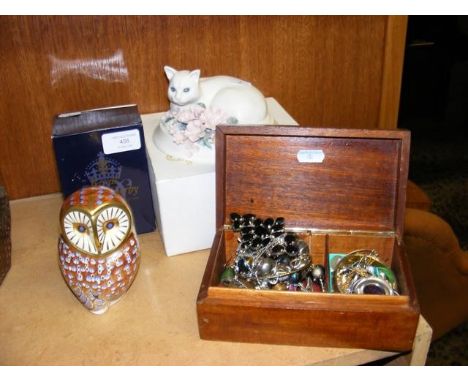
[
  {"x": 195, "y": 74},
  {"x": 169, "y": 72}
]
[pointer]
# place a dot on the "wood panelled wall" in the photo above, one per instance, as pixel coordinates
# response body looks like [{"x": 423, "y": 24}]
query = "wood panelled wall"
[{"x": 326, "y": 71}]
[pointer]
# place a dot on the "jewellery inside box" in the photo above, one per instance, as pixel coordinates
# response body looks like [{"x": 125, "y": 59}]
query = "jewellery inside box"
[{"x": 270, "y": 257}]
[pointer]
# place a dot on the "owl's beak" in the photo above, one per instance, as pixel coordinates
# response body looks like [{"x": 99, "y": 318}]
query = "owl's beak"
[{"x": 98, "y": 247}]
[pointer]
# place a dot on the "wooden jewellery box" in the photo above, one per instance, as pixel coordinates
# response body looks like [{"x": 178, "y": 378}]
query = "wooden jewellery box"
[{"x": 342, "y": 190}]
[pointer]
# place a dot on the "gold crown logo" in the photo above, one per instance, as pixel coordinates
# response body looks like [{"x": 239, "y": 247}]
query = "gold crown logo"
[{"x": 103, "y": 170}]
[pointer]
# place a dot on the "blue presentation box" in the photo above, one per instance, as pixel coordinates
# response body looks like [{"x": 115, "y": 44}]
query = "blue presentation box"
[{"x": 106, "y": 147}]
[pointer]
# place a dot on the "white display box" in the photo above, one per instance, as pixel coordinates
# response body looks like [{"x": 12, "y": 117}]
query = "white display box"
[{"x": 184, "y": 191}]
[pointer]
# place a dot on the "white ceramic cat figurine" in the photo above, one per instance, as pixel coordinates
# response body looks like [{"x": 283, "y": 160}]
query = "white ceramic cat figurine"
[{"x": 240, "y": 100}]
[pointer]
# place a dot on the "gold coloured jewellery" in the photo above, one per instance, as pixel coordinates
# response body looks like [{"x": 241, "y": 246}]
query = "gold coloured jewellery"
[{"x": 362, "y": 272}]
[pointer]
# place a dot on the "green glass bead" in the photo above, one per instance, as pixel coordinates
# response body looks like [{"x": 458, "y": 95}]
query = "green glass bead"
[
  {"x": 386, "y": 272},
  {"x": 227, "y": 276}
]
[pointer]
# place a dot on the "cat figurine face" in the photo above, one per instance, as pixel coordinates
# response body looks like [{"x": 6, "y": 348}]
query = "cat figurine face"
[{"x": 183, "y": 87}]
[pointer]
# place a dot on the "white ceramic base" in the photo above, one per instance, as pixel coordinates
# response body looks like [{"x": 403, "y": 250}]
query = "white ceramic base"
[{"x": 184, "y": 190}]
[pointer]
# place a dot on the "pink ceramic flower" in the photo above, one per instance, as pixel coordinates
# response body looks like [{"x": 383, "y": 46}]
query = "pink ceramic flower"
[
  {"x": 197, "y": 110},
  {"x": 190, "y": 113},
  {"x": 194, "y": 130},
  {"x": 185, "y": 115},
  {"x": 194, "y": 123},
  {"x": 179, "y": 137},
  {"x": 212, "y": 117}
]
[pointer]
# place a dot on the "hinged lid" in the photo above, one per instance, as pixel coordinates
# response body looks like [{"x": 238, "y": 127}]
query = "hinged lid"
[{"x": 322, "y": 178}]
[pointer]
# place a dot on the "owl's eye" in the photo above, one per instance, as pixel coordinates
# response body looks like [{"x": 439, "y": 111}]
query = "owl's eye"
[
  {"x": 78, "y": 229},
  {"x": 113, "y": 225},
  {"x": 186, "y": 90},
  {"x": 173, "y": 89}
]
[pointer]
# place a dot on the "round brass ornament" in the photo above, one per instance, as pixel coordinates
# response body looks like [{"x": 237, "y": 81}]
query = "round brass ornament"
[{"x": 361, "y": 272}]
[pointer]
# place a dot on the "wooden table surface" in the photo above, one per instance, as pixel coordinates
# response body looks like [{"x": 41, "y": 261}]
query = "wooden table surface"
[{"x": 41, "y": 322}]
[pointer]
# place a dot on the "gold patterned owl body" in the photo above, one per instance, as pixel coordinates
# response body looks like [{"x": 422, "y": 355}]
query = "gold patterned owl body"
[{"x": 99, "y": 254}]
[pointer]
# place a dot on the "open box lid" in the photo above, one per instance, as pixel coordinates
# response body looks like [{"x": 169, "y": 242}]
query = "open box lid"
[{"x": 320, "y": 178}]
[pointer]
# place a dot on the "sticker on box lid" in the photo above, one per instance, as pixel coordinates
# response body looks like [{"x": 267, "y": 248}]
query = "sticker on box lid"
[
  {"x": 121, "y": 141},
  {"x": 310, "y": 156}
]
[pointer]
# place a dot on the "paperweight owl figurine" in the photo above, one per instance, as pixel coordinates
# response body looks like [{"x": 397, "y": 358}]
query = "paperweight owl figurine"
[{"x": 99, "y": 255}]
